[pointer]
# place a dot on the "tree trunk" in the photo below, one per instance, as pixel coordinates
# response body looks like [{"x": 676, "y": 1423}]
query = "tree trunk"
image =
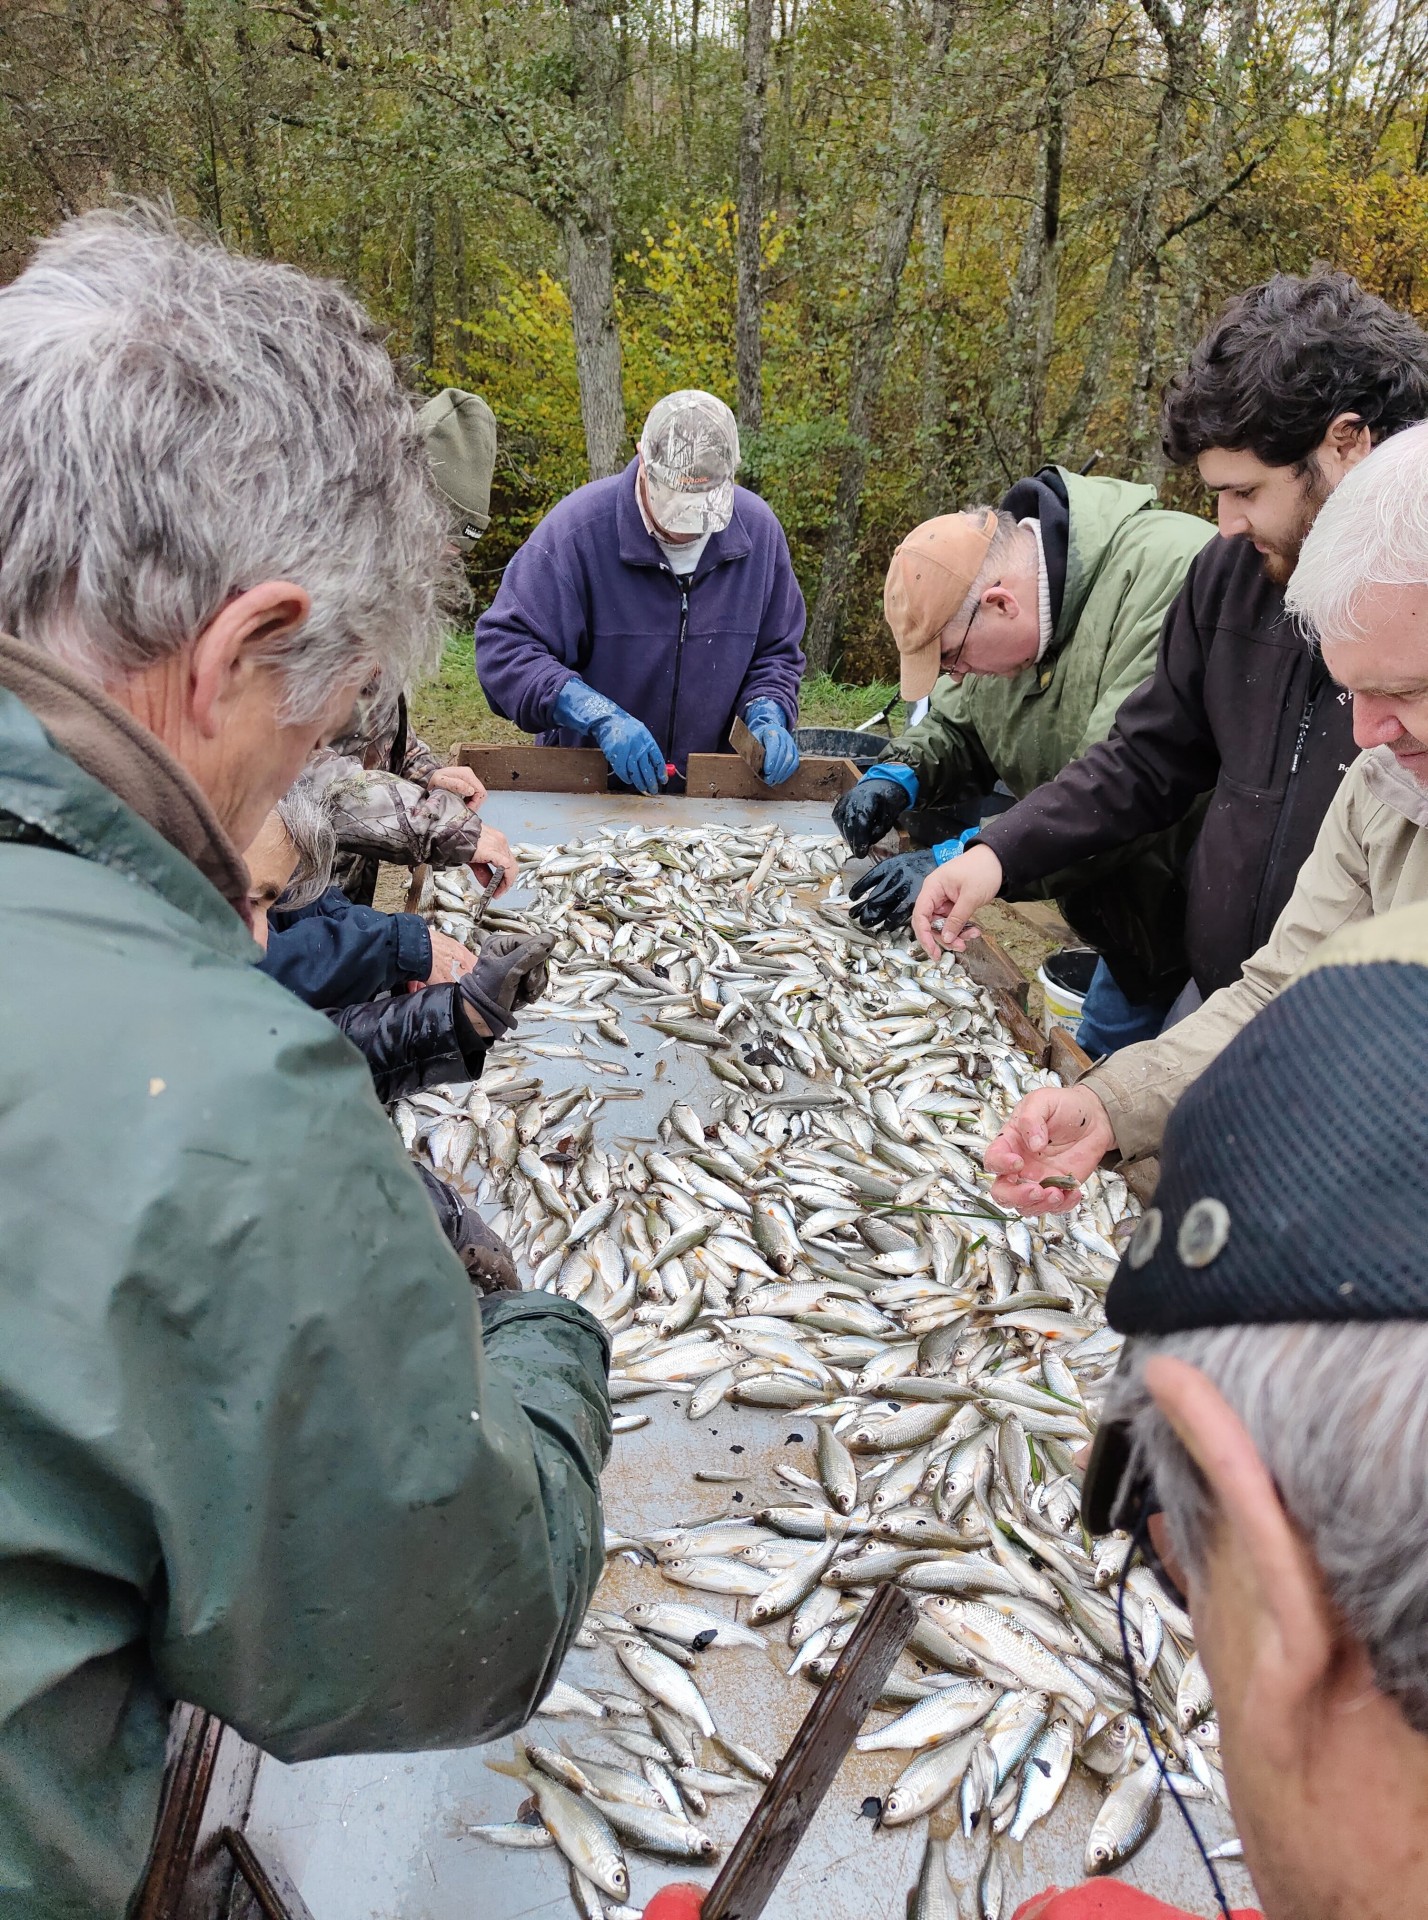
[
  {"x": 588, "y": 228},
  {"x": 932, "y": 407},
  {"x": 460, "y": 292},
  {"x": 261, "y": 240},
  {"x": 1016, "y": 426},
  {"x": 917, "y": 110},
  {"x": 1140, "y": 235},
  {"x": 1184, "y": 44},
  {"x": 748, "y": 323},
  {"x": 597, "y": 348},
  {"x": 424, "y": 281}
]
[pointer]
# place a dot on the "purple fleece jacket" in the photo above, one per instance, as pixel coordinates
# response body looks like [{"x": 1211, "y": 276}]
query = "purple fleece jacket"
[{"x": 591, "y": 593}]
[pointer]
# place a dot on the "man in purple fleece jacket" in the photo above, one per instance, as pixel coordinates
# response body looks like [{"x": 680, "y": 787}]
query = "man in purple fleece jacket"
[{"x": 647, "y": 610}]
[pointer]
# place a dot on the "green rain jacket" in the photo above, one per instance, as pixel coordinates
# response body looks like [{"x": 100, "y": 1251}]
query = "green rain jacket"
[
  {"x": 1126, "y": 559},
  {"x": 261, "y": 1446}
]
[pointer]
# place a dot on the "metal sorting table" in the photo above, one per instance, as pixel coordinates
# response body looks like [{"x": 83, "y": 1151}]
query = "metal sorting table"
[{"x": 383, "y": 1837}]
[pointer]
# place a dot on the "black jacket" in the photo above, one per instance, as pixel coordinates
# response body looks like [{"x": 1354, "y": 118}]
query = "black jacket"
[
  {"x": 413, "y": 1040},
  {"x": 333, "y": 953},
  {"x": 1237, "y": 703}
]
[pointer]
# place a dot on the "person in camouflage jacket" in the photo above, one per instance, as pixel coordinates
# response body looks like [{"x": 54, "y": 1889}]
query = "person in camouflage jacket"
[{"x": 399, "y": 803}]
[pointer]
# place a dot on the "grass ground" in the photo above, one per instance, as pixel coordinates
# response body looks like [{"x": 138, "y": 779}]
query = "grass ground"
[{"x": 451, "y": 708}]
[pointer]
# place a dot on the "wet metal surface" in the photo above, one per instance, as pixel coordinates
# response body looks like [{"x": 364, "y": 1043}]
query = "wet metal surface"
[{"x": 384, "y": 1837}]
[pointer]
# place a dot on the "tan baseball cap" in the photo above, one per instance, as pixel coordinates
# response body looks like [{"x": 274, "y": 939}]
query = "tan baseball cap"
[{"x": 929, "y": 577}]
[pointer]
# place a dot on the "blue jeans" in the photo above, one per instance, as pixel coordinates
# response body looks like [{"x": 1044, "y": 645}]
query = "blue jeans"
[{"x": 1109, "y": 1021}]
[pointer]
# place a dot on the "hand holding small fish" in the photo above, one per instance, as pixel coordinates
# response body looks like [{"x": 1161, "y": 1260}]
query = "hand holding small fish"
[{"x": 1054, "y": 1139}]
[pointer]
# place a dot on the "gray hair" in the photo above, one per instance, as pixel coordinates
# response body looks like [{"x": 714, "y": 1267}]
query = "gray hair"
[
  {"x": 1006, "y": 544},
  {"x": 1372, "y": 531},
  {"x": 181, "y": 424},
  {"x": 309, "y": 826},
  {"x": 1339, "y": 1416}
]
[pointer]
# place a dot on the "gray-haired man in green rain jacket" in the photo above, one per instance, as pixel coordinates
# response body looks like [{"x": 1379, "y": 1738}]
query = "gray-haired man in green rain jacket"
[{"x": 262, "y": 1447}]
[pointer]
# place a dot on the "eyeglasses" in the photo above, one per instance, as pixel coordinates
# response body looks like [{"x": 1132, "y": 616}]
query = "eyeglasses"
[
  {"x": 1114, "y": 1495},
  {"x": 951, "y": 665}
]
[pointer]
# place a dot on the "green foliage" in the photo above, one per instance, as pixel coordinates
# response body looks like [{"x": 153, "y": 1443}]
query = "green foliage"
[
  {"x": 327, "y": 131},
  {"x": 450, "y": 708}
]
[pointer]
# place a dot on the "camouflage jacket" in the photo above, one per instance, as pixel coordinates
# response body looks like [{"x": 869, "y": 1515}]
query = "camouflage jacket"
[
  {"x": 383, "y": 741},
  {"x": 379, "y": 816}
]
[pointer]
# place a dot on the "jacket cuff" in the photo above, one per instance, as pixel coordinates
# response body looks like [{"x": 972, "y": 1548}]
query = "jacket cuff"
[
  {"x": 1137, "y": 1113},
  {"x": 1017, "y": 875},
  {"x": 472, "y": 1045},
  {"x": 900, "y": 771},
  {"x": 499, "y": 1309},
  {"x": 413, "y": 946}
]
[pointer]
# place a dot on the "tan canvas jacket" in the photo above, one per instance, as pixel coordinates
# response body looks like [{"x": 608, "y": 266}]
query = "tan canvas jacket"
[{"x": 1370, "y": 857}]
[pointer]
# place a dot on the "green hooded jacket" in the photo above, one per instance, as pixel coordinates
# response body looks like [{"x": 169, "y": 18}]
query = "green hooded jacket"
[
  {"x": 261, "y": 1446},
  {"x": 1126, "y": 561}
]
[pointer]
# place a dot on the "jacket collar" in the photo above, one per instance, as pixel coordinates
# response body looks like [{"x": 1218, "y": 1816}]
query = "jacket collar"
[
  {"x": 79, "y": 770},
  {"x": 640, "y": 549},
  {"x": 1396, "y": 788}
]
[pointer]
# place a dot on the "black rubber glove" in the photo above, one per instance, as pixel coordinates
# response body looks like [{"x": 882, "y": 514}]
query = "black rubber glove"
[
  {"x": 511, "y": 971},
  {"x": 887, "y": 893},
  {"x": 865, "y": 812}
]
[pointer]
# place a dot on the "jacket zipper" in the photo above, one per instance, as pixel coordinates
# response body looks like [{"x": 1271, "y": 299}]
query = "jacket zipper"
[
  {"x": 678, "y": 666},
  {"x": 1318, "y": 680}
]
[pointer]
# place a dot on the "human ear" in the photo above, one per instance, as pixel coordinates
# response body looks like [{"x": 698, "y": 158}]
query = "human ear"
[
  {"x": 1283, "y": 1622},
  {"x": 1346, "y": 443},
  {"x": 1001, "y": 601},
  {"x": 231, "y": 649}
]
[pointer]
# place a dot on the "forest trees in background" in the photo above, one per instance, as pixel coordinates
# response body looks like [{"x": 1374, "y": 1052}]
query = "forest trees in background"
[{"x": 920, "y": 245}]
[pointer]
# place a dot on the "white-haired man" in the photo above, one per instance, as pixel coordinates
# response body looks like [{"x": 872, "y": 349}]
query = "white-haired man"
[
  {"x": 1265, "y": 1440},
  {"x": 263, "y": 1448},
  {"x": 1361, "y": 589}
]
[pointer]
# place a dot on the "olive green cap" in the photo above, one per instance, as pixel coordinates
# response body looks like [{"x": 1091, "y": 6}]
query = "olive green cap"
[{"x": 460, "y": 434}]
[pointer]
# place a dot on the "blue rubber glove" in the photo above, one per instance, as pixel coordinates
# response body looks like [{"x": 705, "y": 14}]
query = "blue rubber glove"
[
  {"x": 765, "y": 721},
  {"x": 946, "y": 850},
  {"x": 627, "y": 743}
]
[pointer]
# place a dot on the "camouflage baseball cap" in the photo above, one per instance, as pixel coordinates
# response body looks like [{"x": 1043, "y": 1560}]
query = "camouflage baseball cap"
[
  {"x": 690, "y": 447},
  {"x": 460, "y": 434}
]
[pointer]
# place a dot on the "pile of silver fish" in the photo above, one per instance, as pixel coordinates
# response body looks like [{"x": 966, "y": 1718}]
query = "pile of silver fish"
[{"x": 817, "y": 1237}]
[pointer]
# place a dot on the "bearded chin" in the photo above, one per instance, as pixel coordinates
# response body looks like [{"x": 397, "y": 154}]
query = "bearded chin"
[{"x": 1280, "y": 562}]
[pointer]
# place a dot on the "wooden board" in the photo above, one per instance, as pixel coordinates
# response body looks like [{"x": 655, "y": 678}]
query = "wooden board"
[
  {"x": 990, "y": 965},
  {"x": 1064, "y": 1055},
  {"x": 806, "y": 1772},
  {"x": 710, "y": 776},
  {"x": 724, "y": 776},
  {"x": 537, "y": 769}
]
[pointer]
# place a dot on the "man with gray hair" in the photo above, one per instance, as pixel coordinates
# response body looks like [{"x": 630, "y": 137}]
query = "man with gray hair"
[
  {"x": 1265, "y": 1440},
  {"x": 1361, "y": 591},
  {"x": 1028, "y": 625},
  {"x": 264, "y": 1449},
  {"x": 648, "y": 611}
]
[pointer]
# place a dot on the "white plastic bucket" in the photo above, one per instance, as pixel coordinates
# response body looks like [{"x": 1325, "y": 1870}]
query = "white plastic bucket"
[
  {"x": 1063, "y": 1007},
  {"x": 1063, "y": 1002}
]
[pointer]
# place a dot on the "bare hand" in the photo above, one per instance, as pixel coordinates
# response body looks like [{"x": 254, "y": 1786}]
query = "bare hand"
[
  {"x": 449, "y": 959},
  {"x": 1060, "y": 1132},
  {"x": 493, "y": 853},
  {"x": 459, "y": 780},
  {"x": 950, "y": 895}
]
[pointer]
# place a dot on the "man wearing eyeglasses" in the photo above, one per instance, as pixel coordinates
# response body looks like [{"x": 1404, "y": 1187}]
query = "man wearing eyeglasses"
[
  {"x": 1028, "y": 624},
  {"x": 1264, "y": 1439},
  {"x": 1286, "y": 394}
]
